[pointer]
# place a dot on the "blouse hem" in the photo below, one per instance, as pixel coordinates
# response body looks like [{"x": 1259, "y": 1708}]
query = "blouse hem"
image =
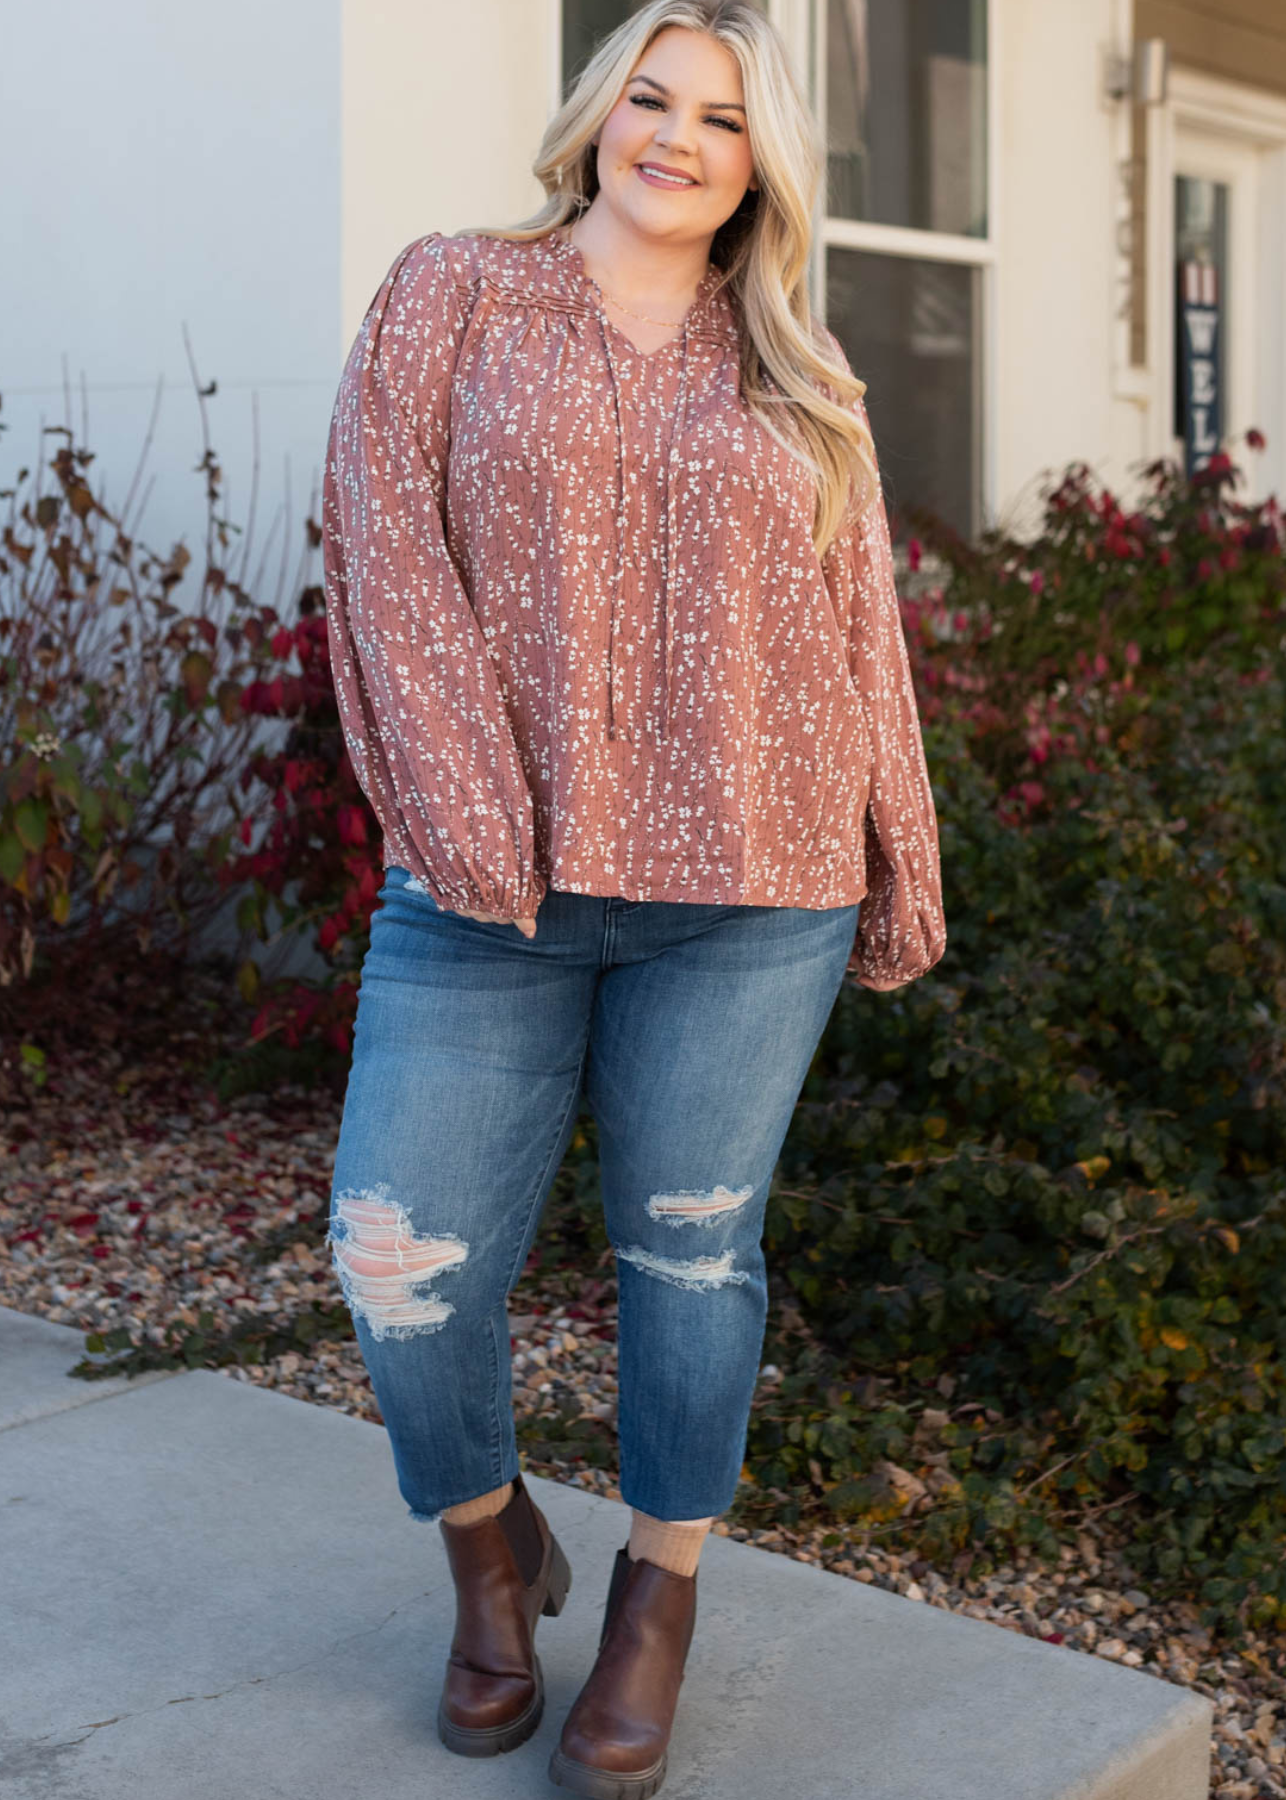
[{"x": 813, "y": 885}]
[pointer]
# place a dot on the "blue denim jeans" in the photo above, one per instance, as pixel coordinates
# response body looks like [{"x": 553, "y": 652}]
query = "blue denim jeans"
[{"x": 688, "y": 1030}]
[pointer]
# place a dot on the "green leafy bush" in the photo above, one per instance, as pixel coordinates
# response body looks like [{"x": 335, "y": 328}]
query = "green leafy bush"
[{"x": 1032, "y": 1211}]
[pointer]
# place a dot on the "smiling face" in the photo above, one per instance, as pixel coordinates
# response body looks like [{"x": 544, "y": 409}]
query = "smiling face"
[{"x": 681, "y": 112}]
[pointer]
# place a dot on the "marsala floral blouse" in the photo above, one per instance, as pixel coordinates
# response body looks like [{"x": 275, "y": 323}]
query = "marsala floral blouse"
[{"x": 579, "y": 632}]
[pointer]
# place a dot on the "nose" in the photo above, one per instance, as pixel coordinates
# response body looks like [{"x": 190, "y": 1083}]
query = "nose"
[{"x": 671, "y": 143}]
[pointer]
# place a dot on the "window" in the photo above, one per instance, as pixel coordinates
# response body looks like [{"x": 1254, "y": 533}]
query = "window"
[
  {"x": 907, "y": 252},
  {"x": 906, "y": 111},
  {"x": 585, "y": 24},
  {"x": 913, "y": 327}
]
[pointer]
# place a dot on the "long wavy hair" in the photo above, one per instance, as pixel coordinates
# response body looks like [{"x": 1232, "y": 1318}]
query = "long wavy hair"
[{"x": 793, "y": 376}]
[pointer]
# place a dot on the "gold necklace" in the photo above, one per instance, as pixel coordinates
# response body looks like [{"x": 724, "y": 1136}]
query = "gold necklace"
[
  {"x": 637, "y": 315},
  {"x": 627, "y": 309}
]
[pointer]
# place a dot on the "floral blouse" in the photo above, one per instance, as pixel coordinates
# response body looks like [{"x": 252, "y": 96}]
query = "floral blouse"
[{"x": 579, "y": 632}]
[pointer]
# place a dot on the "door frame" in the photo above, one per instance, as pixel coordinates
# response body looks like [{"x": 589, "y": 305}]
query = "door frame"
[{"x": 1228, "y": 131}]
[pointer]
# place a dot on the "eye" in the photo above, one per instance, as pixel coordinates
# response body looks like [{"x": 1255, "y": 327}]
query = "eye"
[{"x": 650, "y": 100}]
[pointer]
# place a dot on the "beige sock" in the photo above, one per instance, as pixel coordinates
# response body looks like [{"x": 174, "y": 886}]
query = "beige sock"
[
  {"x": 673, "y": 1544},
  {"x": 468, "y": 1512}
]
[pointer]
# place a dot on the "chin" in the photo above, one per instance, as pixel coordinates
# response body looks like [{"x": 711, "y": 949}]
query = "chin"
[{"x": 656, "y": 219}]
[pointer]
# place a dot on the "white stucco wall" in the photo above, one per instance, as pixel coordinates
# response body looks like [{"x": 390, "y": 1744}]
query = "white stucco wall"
[{"x": 169, "y": 165}]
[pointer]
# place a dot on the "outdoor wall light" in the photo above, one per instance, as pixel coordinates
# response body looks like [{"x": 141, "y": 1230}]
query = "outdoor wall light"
[{"x": 1142, "y": 76}]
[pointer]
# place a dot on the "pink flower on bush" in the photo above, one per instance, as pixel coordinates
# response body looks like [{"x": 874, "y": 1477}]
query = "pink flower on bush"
[
  {"x": 1036, "y": 581},
  {"x": 914, "y": 551},
  {"x": 1038, "y": 740}
]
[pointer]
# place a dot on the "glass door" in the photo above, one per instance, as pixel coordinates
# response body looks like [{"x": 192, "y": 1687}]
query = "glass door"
[{"x": 1215, "y": 285}]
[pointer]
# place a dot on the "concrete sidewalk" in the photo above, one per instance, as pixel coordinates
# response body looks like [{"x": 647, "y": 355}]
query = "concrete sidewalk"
[{"x": 213, "y": 1590}]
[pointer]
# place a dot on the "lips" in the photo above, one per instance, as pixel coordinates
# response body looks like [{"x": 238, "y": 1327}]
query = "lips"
[{"x": 656, "y": 170}]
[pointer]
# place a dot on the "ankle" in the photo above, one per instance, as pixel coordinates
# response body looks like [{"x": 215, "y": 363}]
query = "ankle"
[
  {"x": 673, "y": 1544},
  {"x": 485, "y": 1506}
]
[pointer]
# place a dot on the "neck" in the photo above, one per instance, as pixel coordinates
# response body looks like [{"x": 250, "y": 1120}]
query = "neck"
[{"x": 657, "y": 278}]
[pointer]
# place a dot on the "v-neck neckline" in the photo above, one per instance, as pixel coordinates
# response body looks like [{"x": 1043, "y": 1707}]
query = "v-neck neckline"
[{"x": 575, "y": 259}]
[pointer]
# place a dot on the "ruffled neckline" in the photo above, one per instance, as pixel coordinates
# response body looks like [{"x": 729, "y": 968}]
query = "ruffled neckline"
[{"x": 710, "y": 313}]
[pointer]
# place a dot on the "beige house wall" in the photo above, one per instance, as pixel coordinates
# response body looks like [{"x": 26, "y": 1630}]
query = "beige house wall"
[{"x": 442, "y": 109}]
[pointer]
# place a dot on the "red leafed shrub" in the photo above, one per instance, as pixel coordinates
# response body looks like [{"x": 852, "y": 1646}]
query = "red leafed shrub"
[
  {"x": 121, "y": 729},
  {"x": 307, "y": 847},
  {"x": 1048, "y": 652},
  {"x": 166, "y": 739}
]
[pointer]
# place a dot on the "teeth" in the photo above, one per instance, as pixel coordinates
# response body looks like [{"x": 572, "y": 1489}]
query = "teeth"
[{"x": 678, "y": 180}]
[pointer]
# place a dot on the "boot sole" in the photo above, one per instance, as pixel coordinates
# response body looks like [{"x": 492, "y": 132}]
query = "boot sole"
[
  {"x": 494, "y": 1740},
  {"x": 606, "y": 1784}
]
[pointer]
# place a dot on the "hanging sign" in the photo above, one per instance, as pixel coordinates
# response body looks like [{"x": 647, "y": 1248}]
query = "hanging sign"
[{"x": 1197, "y": 333}]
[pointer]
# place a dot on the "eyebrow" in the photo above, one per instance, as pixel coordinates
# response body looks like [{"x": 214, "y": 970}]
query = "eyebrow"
[{"x": 710, "y": 105}]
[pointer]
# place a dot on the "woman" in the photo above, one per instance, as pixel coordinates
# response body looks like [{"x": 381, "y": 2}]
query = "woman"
[{"x": 620, "y": 664}]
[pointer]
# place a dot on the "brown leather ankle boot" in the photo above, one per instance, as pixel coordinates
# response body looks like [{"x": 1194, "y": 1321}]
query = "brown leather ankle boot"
[
  {"x": 507, "y": 1570},
  {"x": 615, "y": 1738}
]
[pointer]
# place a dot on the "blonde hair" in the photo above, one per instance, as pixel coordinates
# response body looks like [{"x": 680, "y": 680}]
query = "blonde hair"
[{"x": 789, "y": 361}]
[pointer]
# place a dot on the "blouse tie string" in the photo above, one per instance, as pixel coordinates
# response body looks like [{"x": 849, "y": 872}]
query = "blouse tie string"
[
  {"x": 618, "y": 579},
  {"x": 668, "y": 585},
  {"x": 671, "y": 609}
]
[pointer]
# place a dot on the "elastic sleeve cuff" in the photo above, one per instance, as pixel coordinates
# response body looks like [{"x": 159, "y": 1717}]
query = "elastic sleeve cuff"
[
  {"x": 898, "y": 937},
  {"x": 519, "y": 898}
]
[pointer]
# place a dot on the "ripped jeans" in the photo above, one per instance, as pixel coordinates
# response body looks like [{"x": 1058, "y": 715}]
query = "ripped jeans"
[{"x": 688, "y": 1030}]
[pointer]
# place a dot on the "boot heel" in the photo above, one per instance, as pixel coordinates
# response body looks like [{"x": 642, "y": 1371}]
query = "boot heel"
[{"x": 560, "y": 1580}]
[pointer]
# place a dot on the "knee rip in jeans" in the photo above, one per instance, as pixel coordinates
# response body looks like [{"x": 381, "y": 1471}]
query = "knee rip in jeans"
[
  {"x": 696, "y": 1206},
  {"x": 701, "y": 1272},
  {"x": 386, "y": 1269}
]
